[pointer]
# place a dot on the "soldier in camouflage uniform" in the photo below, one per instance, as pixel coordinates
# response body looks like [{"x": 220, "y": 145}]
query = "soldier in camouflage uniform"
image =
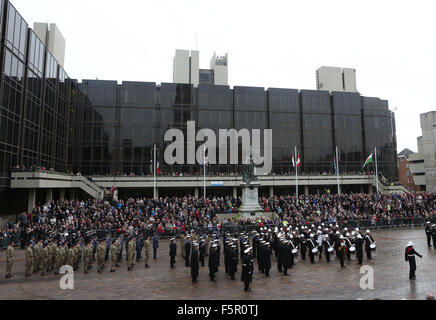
[
  {"x": 71, "y": 257},
  {"x": 65, "y": 254},
  {"x": 147, "y": 249},
  {"x": 130, "y": 254},
  {"x": 78, "y": 255},
  {"x": 87, "y": 255},
  {"x": 114, "y": 255},
  {"x": 53, "y": 249},
  {"x": 118, "y": 251},
  {"x": 29, "y": 259},
  {"x": 9, "y": 259},
  {"x": 59, "y": 257},
  {"x": 44, "y": 258},
  {"x": 37, "y": 256},
  {"x": 101, "y": 252}
]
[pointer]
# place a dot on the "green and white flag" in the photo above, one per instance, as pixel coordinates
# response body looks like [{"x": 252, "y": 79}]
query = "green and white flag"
[{"x": 368, "y": 160}]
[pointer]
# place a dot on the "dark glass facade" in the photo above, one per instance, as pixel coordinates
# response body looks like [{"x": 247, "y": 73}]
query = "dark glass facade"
[{"x": 103, "y": 128}]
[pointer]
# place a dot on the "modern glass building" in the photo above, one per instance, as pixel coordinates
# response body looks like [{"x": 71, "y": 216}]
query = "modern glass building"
[{"x": 101, "y": 127}]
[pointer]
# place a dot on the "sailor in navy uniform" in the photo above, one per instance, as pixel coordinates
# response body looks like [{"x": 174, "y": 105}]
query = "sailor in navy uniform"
[
  {"x": 410, "y": 256},
  {"x": 428, "y": 233},
  {"x": 247, "y": 269}
]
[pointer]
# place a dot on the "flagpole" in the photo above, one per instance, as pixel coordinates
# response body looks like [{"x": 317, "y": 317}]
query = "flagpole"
[
  {"x": 204, "y": 171},
  {"x": 337, "y": 170},
  {"x": 154, "y": 172},
  {"x": 376, "y": 170},
  {"x": 296, "y": 173}
]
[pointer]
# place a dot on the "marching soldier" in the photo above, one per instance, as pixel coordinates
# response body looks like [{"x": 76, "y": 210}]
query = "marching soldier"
[
  {"x": 207, "y": 243},
  {"x": 114, "y": 255},
  {"x": 87, "y": 255},
  {"x": 311, "y": 245},
  {"x": 173, "y": 252},
  {"x": 101, "y": 254},
  {"x": 368, "y": 241},
  {"x": 71, "y": 257},
  {"x": 29, "y": 259},
  {"x": 213, "y": 262},
  {"x": 202, "y": 251},
  {"x": 267, "y": 260},
  {"x": 303, "y": 248},
  {"x": 65, "y": 254},
  {"x": 9, "y": 259},
  {"x": 182, "y": 245},
  {"x": 58, "y": 258},
  {"x": 118, "y": 250},
  {"x": 147, "y": 249},
  {"x": 428, "y": 231},
  {"x": 286, "y": 257},
  {"x": 359, "y": 248},
  {"x": 37, "y": 256},
  {"x": 327, "y": 245},
  {"x": 247, "y": 269},
  {"x": 187, "y": 250},
  {"x": 194, "y": 263},
  {"x": 130, "y": 254},
  {"x": 348, "y": 244},
  {"x": 44, "y": 259},
  {"x": 340, "y": 250},
  {"x": 410, "y": 256},
  {"x": 234, "y": 258}
]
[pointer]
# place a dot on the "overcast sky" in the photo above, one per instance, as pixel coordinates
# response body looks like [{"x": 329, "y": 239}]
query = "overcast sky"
[{"x": 391, "y": 44}]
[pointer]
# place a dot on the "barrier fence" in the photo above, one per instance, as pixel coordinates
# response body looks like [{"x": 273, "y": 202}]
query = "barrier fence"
[{"x": 238, "y": 228}]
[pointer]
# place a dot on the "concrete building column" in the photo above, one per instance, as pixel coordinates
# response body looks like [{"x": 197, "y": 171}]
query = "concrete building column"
[
  {"x": 271, "y": 191},
  {"x": 306, "y": 190},
  {"x": 235, "y": 192},
  {"x": 369, "y": 188},
  {"x": 362, "y": 189},
  {"x": 31, "y": 199},
  {"x": 49, "y": 194},
  {"x": 62, "y": 194},
  {"x": 72, "y": 194},
  {"x": 196, "y": 192},
  {"x": 156, "y": 196}
]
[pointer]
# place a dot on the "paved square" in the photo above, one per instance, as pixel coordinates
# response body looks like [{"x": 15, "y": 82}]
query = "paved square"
[{"x": 306, "y": 281}]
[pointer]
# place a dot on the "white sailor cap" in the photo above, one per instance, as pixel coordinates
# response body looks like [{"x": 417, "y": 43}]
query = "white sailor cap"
[
  {"x": 247, "y": 250},
  {"x": 291, "y": 237},
  {"x": 410, "y": 243},
  {"x": 319, "y": 227},
  {"x": 337, "y": 232},
  {"x": 214, "y": 245},
  {"x": 341, "y": 237},
  {"x": 172, "y": 239},
  {"x": 347, "y": 234},
  {"x": 367, "y": 231},
  {"x": 359, "y": 236},
  {"x": 312, "y": 235},
  {"x": 345, "y": 229}
]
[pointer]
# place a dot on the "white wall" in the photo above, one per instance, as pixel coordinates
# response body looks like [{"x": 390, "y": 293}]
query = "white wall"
[
  {"x": 181, "y": 66},
  {"x": 329, "y": 79},
  {"x": 349, "y": 79},
  {"x": 195, "y": 67},
  {"x": 56, "y": 44}
]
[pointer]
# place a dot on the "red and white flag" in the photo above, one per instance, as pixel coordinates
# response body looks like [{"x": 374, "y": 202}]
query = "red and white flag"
[{"x": 298, "y": 161}]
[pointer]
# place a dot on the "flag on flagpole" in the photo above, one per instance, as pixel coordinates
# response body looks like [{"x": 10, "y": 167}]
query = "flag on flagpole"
[
  {"x": 298, "y": 161},
  {"x": 157, "y": 166},
  {"x": 368, "y": 160},
  {"x": 293, "y": 162}
]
